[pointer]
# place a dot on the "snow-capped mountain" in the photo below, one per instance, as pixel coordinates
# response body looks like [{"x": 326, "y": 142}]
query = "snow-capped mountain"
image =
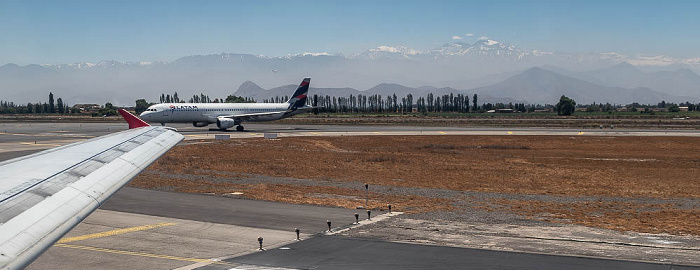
[
  {"x": 103, "y": 64},
  {"x": 485, "y": 47},
  {"x": 391, "y": 52}
]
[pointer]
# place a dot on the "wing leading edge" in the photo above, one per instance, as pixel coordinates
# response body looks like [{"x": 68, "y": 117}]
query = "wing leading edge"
[{"x": 45, "y": 195}]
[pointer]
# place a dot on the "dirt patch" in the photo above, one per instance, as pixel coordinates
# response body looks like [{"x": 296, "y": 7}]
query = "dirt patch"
[
  {"x": 625, "y": 166},
  {"x": 614, "y": 215},
  {"x": 212, "y": 183},
  {"x": 616, "y": 121}
]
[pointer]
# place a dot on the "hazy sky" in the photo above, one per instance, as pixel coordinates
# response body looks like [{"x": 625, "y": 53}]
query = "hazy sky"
[{"x": 90, "y": 31}]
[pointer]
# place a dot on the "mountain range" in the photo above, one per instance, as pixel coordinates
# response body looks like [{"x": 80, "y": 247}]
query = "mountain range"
[
  {"x": 493, "y": 69},
  {"x": 534, "y": 85},
  {"x": 538, "y": 85}
]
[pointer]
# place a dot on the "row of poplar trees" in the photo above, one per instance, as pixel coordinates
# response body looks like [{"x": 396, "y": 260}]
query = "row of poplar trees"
[
  {"x": 390, "y": 104},
  {"x": 57, "y": 106}
]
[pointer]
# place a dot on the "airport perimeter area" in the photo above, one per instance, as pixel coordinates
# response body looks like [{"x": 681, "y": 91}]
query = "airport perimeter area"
[{"x": 478, "y": 198}]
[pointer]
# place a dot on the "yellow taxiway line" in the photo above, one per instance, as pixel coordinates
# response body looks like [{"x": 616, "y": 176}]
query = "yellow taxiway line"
[
  {"x": 63, "y": 243},
  {"x": 28, "y": 143},
  {"x": 140, "y": 254},
  {"x": 114, "y": 232},
  {"x": 198, "y": 135}
]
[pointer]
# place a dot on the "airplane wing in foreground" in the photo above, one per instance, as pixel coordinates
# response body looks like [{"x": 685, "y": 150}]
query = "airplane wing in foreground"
[{"x": 46, "y": 194}]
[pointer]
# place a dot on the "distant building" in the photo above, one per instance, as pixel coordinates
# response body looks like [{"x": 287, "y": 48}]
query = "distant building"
[
  {"x": 505, "y": 111},
  {"x": 87, "y": 107},
  {"x": 683, "y": 109}
]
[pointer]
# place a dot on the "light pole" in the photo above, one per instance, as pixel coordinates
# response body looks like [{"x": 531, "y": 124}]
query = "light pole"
[{"x": 366, "y": 196}]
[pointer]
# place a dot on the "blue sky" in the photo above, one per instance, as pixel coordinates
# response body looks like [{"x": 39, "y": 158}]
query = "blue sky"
[{"x": 89, "y": 31}]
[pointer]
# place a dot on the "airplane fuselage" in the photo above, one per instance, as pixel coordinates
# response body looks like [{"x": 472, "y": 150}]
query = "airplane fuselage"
[
  {"x": 227, "y": 115},
  {"x": 210, "y": 112}
]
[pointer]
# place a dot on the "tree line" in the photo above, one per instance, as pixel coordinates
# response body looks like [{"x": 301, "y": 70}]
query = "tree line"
[
  {"x": 461, "y": 103},
  {"x": 47, "y": 107},
  {"x": 202, "y": 98},
  {"x": 448, "y": 103},
  {"x": 641, "y": 108}
]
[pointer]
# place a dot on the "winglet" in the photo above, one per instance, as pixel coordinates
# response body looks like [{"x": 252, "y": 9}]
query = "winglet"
[{"x": 134, "y": 122}]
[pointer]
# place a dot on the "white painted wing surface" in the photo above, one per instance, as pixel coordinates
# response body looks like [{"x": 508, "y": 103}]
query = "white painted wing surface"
[{"x": 45, "y": 195}]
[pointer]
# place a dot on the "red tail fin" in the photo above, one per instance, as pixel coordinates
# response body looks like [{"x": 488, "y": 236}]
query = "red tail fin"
[{"x": 134, "y": 122}]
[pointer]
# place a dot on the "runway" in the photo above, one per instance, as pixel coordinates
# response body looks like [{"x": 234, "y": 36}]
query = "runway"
[
  {"x": 38, "y": 136},
  {"x": 146, "y": 229},
  {"x": 329, "y": 252}
]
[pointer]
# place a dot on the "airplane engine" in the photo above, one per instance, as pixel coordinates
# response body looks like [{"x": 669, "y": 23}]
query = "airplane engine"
[
  {"x": 224, "y": 123},
  {"x": 200, "y": 124}
]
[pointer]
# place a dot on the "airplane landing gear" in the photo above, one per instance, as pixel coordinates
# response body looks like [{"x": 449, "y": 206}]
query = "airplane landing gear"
[{"x": 239, "y": 128}]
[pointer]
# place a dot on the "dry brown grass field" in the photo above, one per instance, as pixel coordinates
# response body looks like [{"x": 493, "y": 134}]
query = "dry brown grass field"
[{"x": 610, "y": 168}]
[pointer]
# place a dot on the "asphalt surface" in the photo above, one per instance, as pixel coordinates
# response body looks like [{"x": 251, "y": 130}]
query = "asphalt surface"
[
  {"x": 225, "y": 210},
  {"x": 29, "y": 132},
  {"x": 200, "y": 228},
  {"x": 121, "y": 240},
  {"x": 16, "y": 137},
  {"x": 15, "y": 154},
  {"x": 206, "y": 227},
  {"x": 41, "y": 132},
  {"x": 333, "y": 252}
]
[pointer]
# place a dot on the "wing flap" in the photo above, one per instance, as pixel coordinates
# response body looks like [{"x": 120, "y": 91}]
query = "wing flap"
[{"x": 33, "y": 218}]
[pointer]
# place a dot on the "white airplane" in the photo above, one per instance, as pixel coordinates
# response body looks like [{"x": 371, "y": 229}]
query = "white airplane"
[
  {"x": 227, "y": 115},
  {"x": 46, "y": 194}
]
